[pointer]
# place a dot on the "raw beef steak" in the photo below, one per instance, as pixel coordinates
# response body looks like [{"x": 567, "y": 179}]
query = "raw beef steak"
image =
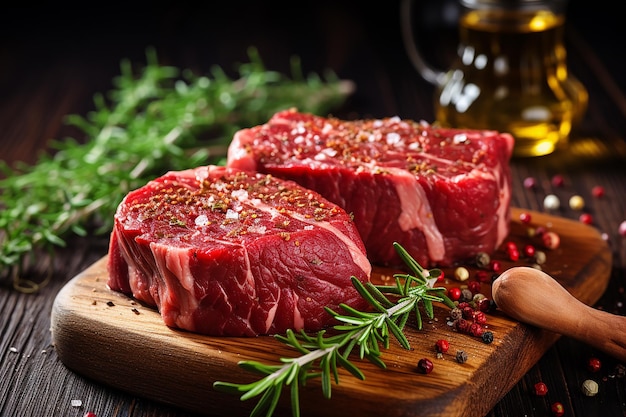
[
  {"x": 443, "y": 194},
  {"x": 224, "y": 252}
]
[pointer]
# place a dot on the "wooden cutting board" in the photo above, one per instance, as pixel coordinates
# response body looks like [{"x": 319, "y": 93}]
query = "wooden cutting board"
[{"x": 112, "y": 339}]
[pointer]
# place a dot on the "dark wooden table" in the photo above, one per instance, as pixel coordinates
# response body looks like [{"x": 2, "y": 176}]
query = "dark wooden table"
[{"x": 53, "y": 60}]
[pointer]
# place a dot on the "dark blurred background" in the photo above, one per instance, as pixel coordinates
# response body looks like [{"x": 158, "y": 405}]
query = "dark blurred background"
[{"x": 88, "y": 42}]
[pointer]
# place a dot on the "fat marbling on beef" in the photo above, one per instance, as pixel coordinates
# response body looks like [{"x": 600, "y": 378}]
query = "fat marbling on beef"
[
  {"x": 443, "y": 194},
  {"x": 224, "y": 252}
]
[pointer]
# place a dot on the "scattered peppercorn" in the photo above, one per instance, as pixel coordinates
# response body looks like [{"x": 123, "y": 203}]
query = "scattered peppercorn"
[
  {"x": 590, "y": 387},
  {"x": 461, "y": 356},
  {"x": 597, "y": 191},
  {"x": 557, "y": 409},
  {"x": 480, "y": 317},
  {"x": 594, "y": 364},
  {"x": 551, "y": 202},
  {"x": 442, "y": 346},
  {"x": 476, "y": 330},
  {"x": 456, "y": 314},
  {"x": 468, "y": 312},
  {"x": 540, "y": 257},
  {"x": 454, "y": 293},
  {"x": 551, "y": 240},
  {"x": 466, "y": 295},
  {"x": 622, "y": 229},
  {"x": 110, "y": 303},
  {"x": 90, "y": 414},
  {"x": 474, "y": 286},
  {"x": 462, "y": 325},
  {"x": 482, "y": 259},
  {"x": 576, "y": 202},
  {"x": 525, "y": 217},
  {"x": 558, "y": 180},
  {"x": 586, "y": 218},
  {"x": 529, "y": 251},
  {"x": 541, "y": 389},
  {"x": 530, "y": 182},
  {"x": 483, "y": 276},
  {"x": 461, "y": 273},
  {"x": 487, "y": 337},
  {"x": 425, "y": 366},
  {"x": 485, "y": 305},
  {"x": 495, "y": 266}
]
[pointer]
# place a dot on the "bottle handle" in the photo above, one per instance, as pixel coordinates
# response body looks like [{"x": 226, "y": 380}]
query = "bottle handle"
[{"x": 428, "y": 72}]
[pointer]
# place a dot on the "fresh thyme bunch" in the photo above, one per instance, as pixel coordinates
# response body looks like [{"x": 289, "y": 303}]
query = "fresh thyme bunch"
[
  {"x": 323, "y": 354},
  {"x": 158, "y": 120}
]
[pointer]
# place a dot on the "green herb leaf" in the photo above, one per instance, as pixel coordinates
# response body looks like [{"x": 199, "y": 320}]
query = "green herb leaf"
[
  {"x": 156, "y": 119},
  {"x": 367, "y": 330}
]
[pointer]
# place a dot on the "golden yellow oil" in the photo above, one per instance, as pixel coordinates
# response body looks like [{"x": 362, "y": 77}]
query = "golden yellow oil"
[{"x": 511, "y": 75}]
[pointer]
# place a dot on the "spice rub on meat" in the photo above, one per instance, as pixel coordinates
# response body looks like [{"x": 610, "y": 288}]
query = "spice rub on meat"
[
  {"x": 225, "y": 252},
  {"x": 443, "y": 194}
]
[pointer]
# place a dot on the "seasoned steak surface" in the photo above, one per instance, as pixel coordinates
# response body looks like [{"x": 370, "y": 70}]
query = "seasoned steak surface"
[
  {"x": 444, "y": 194},
  {"x": 222, "y": 251}
]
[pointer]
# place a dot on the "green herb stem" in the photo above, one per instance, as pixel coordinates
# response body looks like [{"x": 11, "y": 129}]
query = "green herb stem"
[
  {"x": 156, "y": 119},
  {"x": 323, "y": 354}
]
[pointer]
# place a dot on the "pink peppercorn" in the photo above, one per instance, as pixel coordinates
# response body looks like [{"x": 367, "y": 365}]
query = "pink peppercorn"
[
  {"x": 425, "y": 366},
  {"x": 474, "y": 286},
  {"x": 480, "y": 317},
  {"x": 514, "y": 254},
  {"x": 530, "y": 182},
  {"x": 594, "y": 364},
  {"x": 454, "y": 293},
  {"x": 557, "y": 409},
  {"x": 541, "y": 389},
  {"x": 484, "y": 305},
  {"x": 525, "y": 217},
  {"x": 622, "y": 229},
  {"x": 558, "y": 181},
  {"x": 495, "y": 266},
  {"x": 586, "y": 218},
  {"x": 476, "y": 330},
  {"x": 529, "y": 251},
  {"x": 468, "y": 313},
  {"x": 462, "y": 325},
  {"x": 441, "y": 277},
  {"x": 597, "y": 191},
  {"x": 551, "y": 240},
  {"x": 442, "y": 346},
  {"x": 89, "y": 414},
  {"x": 483, "y": 276}
]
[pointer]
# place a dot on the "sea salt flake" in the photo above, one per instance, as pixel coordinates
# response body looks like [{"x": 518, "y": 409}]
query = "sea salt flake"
[
  {"x": 393, "y": 138},
  {"x": 202, "y": 220},
  {"x": 232, "y": 214},
  {"x": 459, "y": 138},
  {"x": 77, "y": 403},
  {"x": 257, "y": 229},
  {"x": 240, "y": 195}
]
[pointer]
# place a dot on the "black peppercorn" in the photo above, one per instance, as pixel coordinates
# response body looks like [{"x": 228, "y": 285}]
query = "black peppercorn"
[
  {"x": 487, "y": 337},
  {"x": 461, "y": 356}
]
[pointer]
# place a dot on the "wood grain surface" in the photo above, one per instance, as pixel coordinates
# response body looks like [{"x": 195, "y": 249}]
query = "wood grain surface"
[{"x": 112, "y": 339}]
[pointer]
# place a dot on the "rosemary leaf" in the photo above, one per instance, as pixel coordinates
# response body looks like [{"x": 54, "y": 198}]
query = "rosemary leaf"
[
  {"x": 324, "y": 352},
  {"x": 155, "y": 119}
]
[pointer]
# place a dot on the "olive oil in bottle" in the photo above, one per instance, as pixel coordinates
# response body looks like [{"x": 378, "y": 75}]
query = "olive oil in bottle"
[{"x": 511, "y": 75}]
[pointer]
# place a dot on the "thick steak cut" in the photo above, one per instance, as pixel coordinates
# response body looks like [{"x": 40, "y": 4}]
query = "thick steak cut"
[
  {"x": 443, "y": 194},
  {"x": 224, "y": 252}
]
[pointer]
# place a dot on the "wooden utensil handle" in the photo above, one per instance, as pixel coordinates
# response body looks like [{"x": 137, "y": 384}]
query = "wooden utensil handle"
[{"x": 534, "y": 297}]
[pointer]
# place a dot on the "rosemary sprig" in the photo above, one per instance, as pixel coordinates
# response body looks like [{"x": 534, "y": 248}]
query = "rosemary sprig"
[
  {"x": 322, "y": 354},
  {"x": 154, "y": 120}
]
